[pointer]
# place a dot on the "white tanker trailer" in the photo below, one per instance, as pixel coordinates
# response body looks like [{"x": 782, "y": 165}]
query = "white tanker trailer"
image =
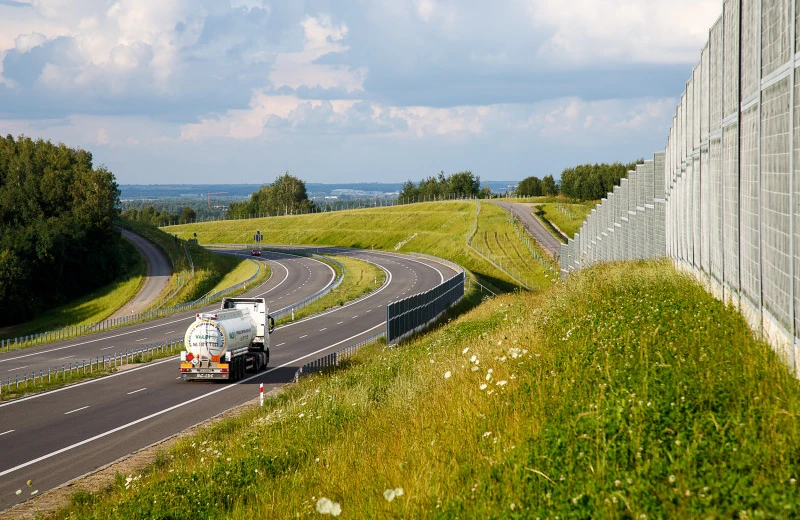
[{"x": 229, "y": 342}]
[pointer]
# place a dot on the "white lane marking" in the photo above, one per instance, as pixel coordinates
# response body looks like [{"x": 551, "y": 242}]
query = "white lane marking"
[
  {"x": 66, "y": 357},
  {"x": 76, "y": 410},
  {"x": 139, "y": 390},
  {"x": 18, "y": 368},
  {"x": 340, "y": 323},
  {"x": 9, "y": 431},
  {"x": 370, "y": 310},
  {"x": 279, "y": 344},
  {"x": 106, "y": 348},
  {"x": 323, "y": 328},
  {"x": 356, "y": 316},
  {"x": 170, "y": 332},
  {"x": 141, "y": 339},
  {"x": 303, "y": 336},
  {"x": 171, "y": 408}
]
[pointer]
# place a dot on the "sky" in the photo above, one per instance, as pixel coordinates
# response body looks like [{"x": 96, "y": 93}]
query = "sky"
[{"x": 240, "y": 91}]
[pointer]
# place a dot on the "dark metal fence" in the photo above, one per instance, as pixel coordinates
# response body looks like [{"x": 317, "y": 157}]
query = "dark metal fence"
[
  {"x": 415, "y": 312},
  {"x": 333, "y": 359}
]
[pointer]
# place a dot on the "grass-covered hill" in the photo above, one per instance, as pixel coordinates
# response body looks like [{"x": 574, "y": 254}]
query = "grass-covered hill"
[
  {"x": 625, "y": 392},
  {"x": 440, "y": 229}
]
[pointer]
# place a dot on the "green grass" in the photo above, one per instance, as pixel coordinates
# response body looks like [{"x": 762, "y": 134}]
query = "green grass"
[
  {"x": 497, "y": 239},
  {"x": 566, "y": 217},
  {"x": 438, "y": 229},
  {"x": 93, "y": 307},
  {"x": 627, "y": 392},
  {"x": 360, "y": 279}
]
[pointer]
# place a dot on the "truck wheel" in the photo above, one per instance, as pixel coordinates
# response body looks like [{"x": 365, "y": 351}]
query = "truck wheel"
[{"x": 266, "y": 358}]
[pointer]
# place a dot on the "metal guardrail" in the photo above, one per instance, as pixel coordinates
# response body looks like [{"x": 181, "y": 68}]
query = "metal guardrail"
[
  {"x": 65, "y": 371},
  {"x": 333, "y": 359}
]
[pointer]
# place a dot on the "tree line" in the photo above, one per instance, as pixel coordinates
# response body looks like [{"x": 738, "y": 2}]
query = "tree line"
[
  {"x": 286, "y": 196},
  {"x": 583, "y": 182},
  {"x": 461, "y": 184},
  {"x": 57, "y": 240},
  {"x": 159, "y": 217}
]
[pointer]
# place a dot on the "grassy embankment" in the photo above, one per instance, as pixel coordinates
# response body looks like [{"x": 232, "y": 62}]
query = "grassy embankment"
[
  {"x": 566, "y": 217},
  {"x": 93, "y": 307},
  {"x": 435, "y": 228},
  {"x": 497, "y": 239},
  {"x": 626, "y": 392},
  {"x": 360, "y": 278}
]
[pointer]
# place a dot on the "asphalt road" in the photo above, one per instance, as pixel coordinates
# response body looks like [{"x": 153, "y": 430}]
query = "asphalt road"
[
  {"x": 158, "y": 274},
  {"x": 57, "y": 436},
  {"x": 293, "y": 279},
  {"x": 524, "y": 213}
]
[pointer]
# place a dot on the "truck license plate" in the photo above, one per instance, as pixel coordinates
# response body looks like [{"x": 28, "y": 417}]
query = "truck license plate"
[{"x": 204, "y": 376}]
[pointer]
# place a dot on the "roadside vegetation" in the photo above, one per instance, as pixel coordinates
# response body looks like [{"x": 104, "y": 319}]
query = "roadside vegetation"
[
  {"x": 360, "y": 278},
  {"x": 627, "y": 392},
  {"x": 566, "y": 217},
  {"x": 57, "y": 212},
  {"x": 507, "y": 245},
  {"x": 93, "y": 307}
]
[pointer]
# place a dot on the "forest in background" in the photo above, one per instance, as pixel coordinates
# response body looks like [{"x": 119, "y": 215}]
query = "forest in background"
[{"x": 57, "y": 240}]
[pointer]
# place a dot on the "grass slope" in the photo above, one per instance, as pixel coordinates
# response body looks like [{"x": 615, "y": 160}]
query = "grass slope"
[
  {"x": 566, "y": 217},
  {"x": 435, "y": 228},
  {"x": 627, "y": 392}
]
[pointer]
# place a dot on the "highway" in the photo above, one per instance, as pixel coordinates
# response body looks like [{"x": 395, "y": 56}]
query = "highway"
[
  {"x": 57, "y": 436},
  {"x": 523, "y": 212}
]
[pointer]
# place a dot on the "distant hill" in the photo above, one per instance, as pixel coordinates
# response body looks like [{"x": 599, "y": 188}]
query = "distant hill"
[{"x": 243, "y": 191}]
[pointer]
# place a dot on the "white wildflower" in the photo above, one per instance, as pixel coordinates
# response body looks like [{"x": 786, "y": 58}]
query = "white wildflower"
[
  {"x": 486, "y": 434},
  {"x": 474, "y": 368},
  {"x": 326, "y": 506},
  {"x": 483, "y": 386},
  {"x": 465, "y": 350},
  {"x": 19, "y": 492},
  {"x": 502, "y": 383},
  {"x": 391, "y": 494},
  {"x": 447, "y": 375}
]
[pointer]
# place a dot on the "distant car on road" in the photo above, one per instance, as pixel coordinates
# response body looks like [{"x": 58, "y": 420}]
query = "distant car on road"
[{"x": 255, "y": 252}]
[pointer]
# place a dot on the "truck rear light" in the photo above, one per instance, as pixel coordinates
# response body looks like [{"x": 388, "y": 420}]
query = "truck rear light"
[
  {"x": 184, "y": 370},
  {"x": 223, "y": 370}
]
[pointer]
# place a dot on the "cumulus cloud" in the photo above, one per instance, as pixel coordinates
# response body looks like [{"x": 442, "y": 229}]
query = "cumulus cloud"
[
  {"x": 585, "y": 31},
  {"x": 301, "y": 69}
]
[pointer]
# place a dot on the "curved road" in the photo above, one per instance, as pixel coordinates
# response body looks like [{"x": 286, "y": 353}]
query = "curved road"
[
  {"x": 54, "y": 437},
  {"x": 524, "y": 213},
  {"x": 158, "y": 274},
  {"x": 293, "y": 279}
]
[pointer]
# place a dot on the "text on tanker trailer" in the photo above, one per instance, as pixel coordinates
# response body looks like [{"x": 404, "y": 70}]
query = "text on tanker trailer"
[{"x": 229, "y": 342}]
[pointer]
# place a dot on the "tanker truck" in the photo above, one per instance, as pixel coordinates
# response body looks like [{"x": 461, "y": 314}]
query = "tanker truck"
[{"x": 227, "y": 343}]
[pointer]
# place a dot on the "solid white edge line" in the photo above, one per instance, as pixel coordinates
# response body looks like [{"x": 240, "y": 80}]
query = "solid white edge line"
[
  {"x": 175, "y": 407},
  {"x": 9, "y": 431}
]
